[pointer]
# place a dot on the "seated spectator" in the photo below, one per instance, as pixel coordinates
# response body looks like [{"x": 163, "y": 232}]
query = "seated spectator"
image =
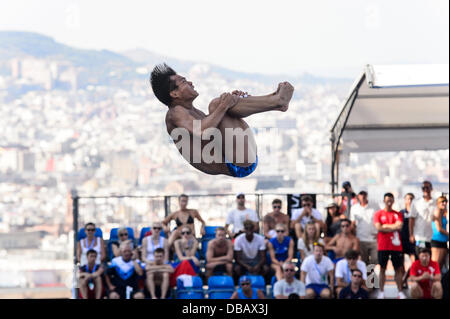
[
  {"x": 158, "y": 275},
  {"x": 269, "y": 227},
  {"x": 250, "y": 252},
  {"x": 90, "y": 278},
  {"x": 354, "y": 290},
  {"x": 219, "y": 255},
  {"x": 344, "y": 267},
  {"x": 88, "y": 243},
  {"x": 303, "y": 215},
  {"x": 333, "y": 221},
  {"x": 122, "y": 233},
  {"x": 153, "y": 242},
  {"x": 123, "y": 274},
  {"x": 317, "y": 272},
  {"x": 246, "y": 291},
  {"x": 343, "y": 242},
  {"x": 237, "y": 216},
  {"x": 184, "y": 217},
  {"x": 426, "y": 277},
  {"x": 186, "y": 247},
  {"x": 281, "y": 250},
  {"x": 273, "y": 218},
  {"x": 289, "y": 285},
  {"x": 305, "y": 244}
]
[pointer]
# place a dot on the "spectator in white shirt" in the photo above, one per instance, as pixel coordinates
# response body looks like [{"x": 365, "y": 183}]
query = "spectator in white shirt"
[
  {"x": 237, "y": 217},
  {"x": 301, "y": 216},
  {"x": 305, "y": 244},
  {"x": 250, "y": 252},
  {"x": 420, "y": 219},
  {"x": 361, "y": 216},
  {"x": 344, "y": 269},
  {"x": 317, "y": 272},
  {"x": 289, "y": 285}
]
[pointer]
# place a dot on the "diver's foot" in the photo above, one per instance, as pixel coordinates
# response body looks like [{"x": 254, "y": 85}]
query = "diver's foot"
[{"x": 285, "y": 92}]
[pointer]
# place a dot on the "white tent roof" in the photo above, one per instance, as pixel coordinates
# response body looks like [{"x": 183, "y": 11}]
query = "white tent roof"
[{"x": 395, "y": 108}]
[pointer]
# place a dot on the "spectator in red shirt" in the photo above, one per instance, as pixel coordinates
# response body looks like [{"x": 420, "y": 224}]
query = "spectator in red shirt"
[
  {"x": 388, "y": 223},
  {"x": 426, "y": 276}
]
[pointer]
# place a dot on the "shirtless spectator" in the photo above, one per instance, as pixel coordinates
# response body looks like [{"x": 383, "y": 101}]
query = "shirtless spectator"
[
  {"x": 237, "y": 217},
  {"x": 219, "y": 255},
  {"x": 343, "y": 242},
  {"x": 182, "y": 217},
  {"x": 278, "y": 216},
  {"x": 91, "y": 286},
  {"x": 344, "y": 268},
  {"x": 269, "y": 227},
  {"x": 426, "y": 277},
  {"x": 158, "y": 275},
  {"x": 303, "y": 215}
]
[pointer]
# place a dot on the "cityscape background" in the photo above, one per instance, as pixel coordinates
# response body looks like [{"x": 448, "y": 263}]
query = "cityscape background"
[{"x": 80, "y": 117}]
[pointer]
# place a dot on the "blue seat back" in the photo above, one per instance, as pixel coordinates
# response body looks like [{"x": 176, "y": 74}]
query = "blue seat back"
[
  {"x": 113, "y": 235},
  {"x": 272, "y": 283},
  {"x": 210, "y": 232},
  {"x": 190, "y": 294},
  {"x": 220, "y": 282},
  {"x": 197, "y": 283},
  {"x": 220, "y": 294},
  {"x": 194, "y": 292},
  {"x": 205, "y": 242},
  {"x": 82, "y": 233},
  {"x": 258, "y": 282}
]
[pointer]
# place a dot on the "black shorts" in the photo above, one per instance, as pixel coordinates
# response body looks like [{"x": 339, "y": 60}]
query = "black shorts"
[
  {"x": 396, "y": 258},
  {"x": 438, "y": 244},
  {"x": 220, "y": 268}
]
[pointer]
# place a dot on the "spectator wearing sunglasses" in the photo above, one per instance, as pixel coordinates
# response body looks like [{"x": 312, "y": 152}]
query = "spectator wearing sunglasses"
[
  {"x": 289, "y": 285},
  {"x": 186, "y": 247},
  {"x": 246, "y": 291},
  {"x": 88, "y": 243},
  {"x": 344, "y": 267},
  {"x": 355, "y": 289},
  {"x": 122, "y": 233},
  {"x": 421, "y": 217},
  {"x": 154, "y": 241},
  {"x": 237, "y": 217},
  {"x": 277, "y": 217},
  {"x": 301, "y": 216},
  {"x": 281, "y": 250},
  {"x": 343, "y": 241},
  {"x": 250, "y": 252}
]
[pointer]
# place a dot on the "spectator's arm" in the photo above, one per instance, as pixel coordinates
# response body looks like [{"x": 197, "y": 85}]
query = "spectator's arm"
[
  {"x": 357, "y": 244},
  {"x": 99, "y": 272},
  {"x": 166, "y": 251},
  {"x": 115, "y": 249},
  {"x": 437, "y": 277},
  {"x": 228, "y": 231},
  {"x": 262, "y": 258},
  {"x": 144, "y": 250},
  {"x": 331, "y": 276},
  {"x": 332, "y": 243},
  {"x": 194, "y": 248},
  {"x": 138, "y": 268},
  {"x": 260, "y": 294},
  {"x": 102, "y": 250},
  {"x": 411, "y": 223},
  {"x": 234, "y": 295},
  {"x": 197, "y": 215},
  {"x": 272, "y": 254},
  {"x": 438, "y": 220},
  {"x": 302, "y": 254},
  {"x": 108, "y": 282},
  {"x": 340, "y": 282},
  {"x": 290, "y": 250},
  {"x": 239, "y": 259},
  {"x": 302, "y": 276},
  {"x": 166, "y": 222},
  {"x": 266, "y": 229}
]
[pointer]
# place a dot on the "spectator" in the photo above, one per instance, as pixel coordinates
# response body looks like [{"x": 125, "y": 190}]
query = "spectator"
[
  {"x": 301, "y": 216},
  {"x": 269, "y": 227},
  {"x": 88, "y": 243},
  {"x": 153, "y": 242},
  {"x": 219, "y": 255},
  {"x": 285, "y": 288},
  {"x": 354, "y": 290},
  {"x": 237, "y": 217},
  {"x": 182, "y": 217},
  {"x": 250, "y": 252},
  {"x": 186, "y": 247},
  {"x": 361, "y": 216},
  {"x": 158, "y": 275},
  {"x": 344, "y": 269},
  {"x": 91, "y": 274},
  {"x": 426, "y": 277},
  {"x": 333, "y": 221},
  {"x": 278, "y": 217},
  {"x": 281, "y": 250},
  {"x": 123, "y": 274},
  {"x": 305, "y": 244},
  {"x": 343, "y": 201},
  {"x": 317, "y": 272},
  {"x": 439, "y": 240},
  {"x": 343, "y": 242},
  {"x": 123, "y": 235},
  {"x": 246, "y": 291},
  {"x": 389, "y": 222},
  {"x": 407, "y": 246},
  {"x": 420, "y": 219}
]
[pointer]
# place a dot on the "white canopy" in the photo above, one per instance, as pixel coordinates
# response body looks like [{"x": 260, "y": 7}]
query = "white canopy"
[{"x": 394, "y": 108}]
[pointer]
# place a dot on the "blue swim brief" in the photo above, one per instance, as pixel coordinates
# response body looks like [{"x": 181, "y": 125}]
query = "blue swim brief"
[
  {"x": 317, "y": 288},
  {"x": 238, "y": 171}
]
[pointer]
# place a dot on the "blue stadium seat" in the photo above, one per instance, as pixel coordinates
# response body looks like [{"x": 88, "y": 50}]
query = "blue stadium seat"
[
  {"x": 205, "y": 247},
  {"x": 272, "y": 283},
  {"x": 258, "y": 282},
  {"x": 82, "y": 233},
  {"x": 113, "y": 235},
  {"x": 194, "y": 292},
  {"x": 145, "y": 230},
  {"x": 220, "y": 287},
  {"x": 210, "y": 232}
]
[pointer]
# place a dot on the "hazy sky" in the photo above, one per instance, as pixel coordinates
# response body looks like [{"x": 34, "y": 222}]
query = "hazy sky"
[{"x": 324, "y": 37}]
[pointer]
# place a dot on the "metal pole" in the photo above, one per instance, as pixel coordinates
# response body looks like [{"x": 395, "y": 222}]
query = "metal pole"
[
  {"x": 75, "y": 198},
  {"x": 166, "y": 205},
  {"x": 349, "y": 204}
]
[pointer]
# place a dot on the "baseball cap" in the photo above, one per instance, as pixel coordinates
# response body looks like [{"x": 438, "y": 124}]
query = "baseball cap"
[
  {"x": 240, "y": 194},
  {"x": 346, "y": 183},
  {"x": 244, "y": 279}
]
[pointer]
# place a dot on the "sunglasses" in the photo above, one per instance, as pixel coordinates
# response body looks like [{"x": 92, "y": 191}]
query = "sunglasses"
[
  {"x": 90, "y": 229},
  {"x": 245, "y": 284},
  {"x": 280, "y": 230},
  {"x": 345, "y": 226},
  {"x": 289, "y": 270},
  {"x": 157, "y": 228},
  {"x": 276, "y": 207},
  {"x": 185, "y": 233},
  {"x": 123, "y": 235},
  {"x": 240, "y": 197}
]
